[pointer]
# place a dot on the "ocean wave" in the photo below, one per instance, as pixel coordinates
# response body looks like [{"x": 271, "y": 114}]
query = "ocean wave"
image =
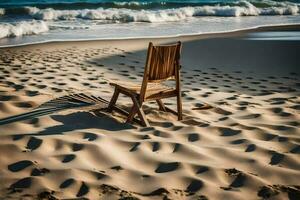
[
  {"x": 111, "y": 4},
  {"x": 138, "y": 4},
  {"x": 128, "y": 15},
  {"x": 22, "y": 28},
  {"x": 116, "y": 15}
]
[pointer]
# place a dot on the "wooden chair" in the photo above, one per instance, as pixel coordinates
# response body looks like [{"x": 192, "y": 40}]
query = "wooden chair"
[{"x": 162, "y": 64}]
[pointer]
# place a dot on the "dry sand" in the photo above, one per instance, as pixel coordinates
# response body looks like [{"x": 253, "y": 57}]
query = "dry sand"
[{"x": 246, "y": 146}]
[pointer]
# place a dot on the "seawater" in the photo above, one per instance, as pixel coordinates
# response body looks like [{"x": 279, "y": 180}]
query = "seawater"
[{"x": 32, "y": 21}]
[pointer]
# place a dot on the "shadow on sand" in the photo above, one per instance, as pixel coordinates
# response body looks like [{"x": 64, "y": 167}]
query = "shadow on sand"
[
  {"x": 73, "y": 121},
  {"x": 58, "y": 104}
]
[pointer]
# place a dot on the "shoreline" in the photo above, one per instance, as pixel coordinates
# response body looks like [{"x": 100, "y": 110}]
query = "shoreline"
[{"x": 187, "y": 37}]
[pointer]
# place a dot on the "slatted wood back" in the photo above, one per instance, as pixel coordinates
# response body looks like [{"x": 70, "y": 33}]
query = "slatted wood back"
[{"x": 162, "y": 64}]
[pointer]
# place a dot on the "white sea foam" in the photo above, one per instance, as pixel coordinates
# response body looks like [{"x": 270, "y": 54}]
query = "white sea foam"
[
  {"x": 60, "y": 22},
  {"x": 2, "y": 11},
  {"x": 288, "y": 10},
  {"x": 131, "y": 3},
  {"x": 22, "y": 28},
  {"x": 244, "y": 8}
]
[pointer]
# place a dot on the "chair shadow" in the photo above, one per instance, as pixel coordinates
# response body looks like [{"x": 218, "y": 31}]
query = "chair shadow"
[
  {"x": 58, "y": 104},
  {"x": 83, "y": 120},
  {"x": 74, "y": 121}
]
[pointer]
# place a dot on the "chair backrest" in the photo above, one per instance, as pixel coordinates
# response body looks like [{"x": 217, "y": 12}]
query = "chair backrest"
[{"x": 162, "y": 64}]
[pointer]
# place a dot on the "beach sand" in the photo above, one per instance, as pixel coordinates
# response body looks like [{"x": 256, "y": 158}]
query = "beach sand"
[{"x": 56, "y": 144}]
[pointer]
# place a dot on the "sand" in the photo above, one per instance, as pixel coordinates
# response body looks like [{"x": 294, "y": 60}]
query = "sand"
[{"x": 56, "y": 144}]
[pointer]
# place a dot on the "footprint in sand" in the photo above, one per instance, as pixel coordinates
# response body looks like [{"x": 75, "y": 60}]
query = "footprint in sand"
[
  {"x": 176, "y": 147},
  {"x": 23, "y": 104},
  {"x": 282, "y": 139},
  {"x": 295, "y": 107},
  {"x": 223, "y": 118},
  {"x": 56, "y": 90},
  {"x": 167, "y": 167},
  {"x": 117, "y": 168},
  {"x": 100, "y": 175},
  {"x": 231, "y": 98},
  {"x": 250, "y": 148},
  {"x": 21, "y": 184},
  {"x": 250, "y": 116},
  {"x": 84, "y": 189},
  {"x": 17, "y": 137},
  {"x": 37, "y": 73},
  {"x": 6, "y": 97},
  {"x": 240, "y": 177},
  {"x": 18, "y": 166},
  {"x": 47, "y": 195},
  {"x": 33, "y": 121},
  {"x": 145, "y": 137},
  {"x": 276, "y": 158},
  {"x": 90, "y": 136},
  {"x": 24, "y": 80},
  {"x": 39, "y": 172},
  {"x": 155, "y": 146},
  {"x": 202, "y": 169},
  {"x": 49, "y": 77},
  {"x": 31, "y": 93},
  {"x": 77, "y": 147},
  {"x": 33, "y": 143},
  {"x": 67, "y": 183},
  {"x": 68, "y": 158},
  {"x": 267, "y": 136},
  {"x": 193, "y": 137},
  {"x": 18, "y": 87},
  {"x": 135, "y": 147},
  {"x": 239, "y": 181},
  {"x": 228, "y": 132},
  {"x": 296, "y": 149},
  {"x": 194, "y": 186},
  {"x": 41, "y": 86},
  {"x": 267, "y": 192}
]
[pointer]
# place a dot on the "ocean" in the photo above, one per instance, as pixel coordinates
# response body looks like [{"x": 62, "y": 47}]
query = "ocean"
[{"x": 35, "y": 21}]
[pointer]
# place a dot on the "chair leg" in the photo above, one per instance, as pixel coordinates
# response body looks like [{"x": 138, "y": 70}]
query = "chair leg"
[
  {"x": 179, "y": 106},
  {"x": 161, "y": 105},
  {"x": 139, "y": 111},
  {"x": 131, "y": 114},
  {"x": 113, "y": 100}
]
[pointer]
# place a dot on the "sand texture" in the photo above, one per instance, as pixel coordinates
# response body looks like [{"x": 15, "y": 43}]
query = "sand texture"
[{"x": 56, "y": 144}]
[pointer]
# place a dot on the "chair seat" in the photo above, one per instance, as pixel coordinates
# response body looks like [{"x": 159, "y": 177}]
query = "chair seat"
[{"x": 153, "y": 91}]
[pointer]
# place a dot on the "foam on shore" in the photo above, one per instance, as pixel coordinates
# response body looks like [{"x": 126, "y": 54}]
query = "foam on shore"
[{"x": 22, "y": 28}]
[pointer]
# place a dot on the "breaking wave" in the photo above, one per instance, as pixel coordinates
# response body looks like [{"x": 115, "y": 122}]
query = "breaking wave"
[
  {"x": 22, "y": 28},
  {"x": 35, "y": 18},
  {"x": 241, "y": 8},
  {"x": 128, "y": 15}
]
